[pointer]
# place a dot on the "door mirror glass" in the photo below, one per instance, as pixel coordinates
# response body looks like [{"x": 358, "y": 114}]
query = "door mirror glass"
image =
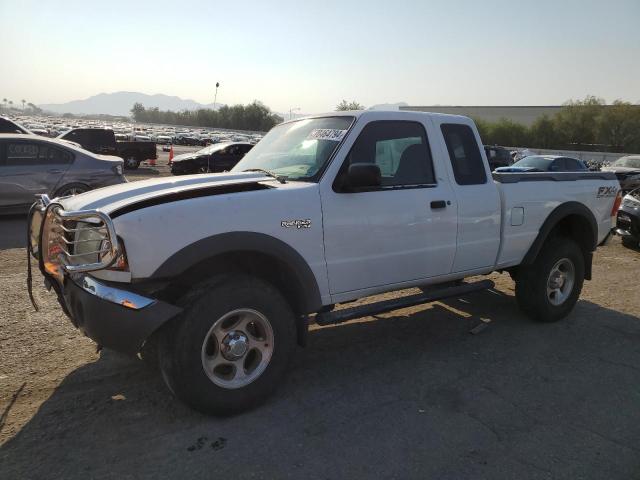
[{"x": 363, "y": 175}]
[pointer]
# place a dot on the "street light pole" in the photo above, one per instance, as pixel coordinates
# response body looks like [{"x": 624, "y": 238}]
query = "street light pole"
[
  {"x": 291, "y": 110},
  {"x": 216, "y": 96}
]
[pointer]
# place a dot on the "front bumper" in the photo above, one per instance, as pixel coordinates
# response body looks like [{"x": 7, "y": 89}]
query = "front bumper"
[
  {"x": 628, "y": 222},
  {"x": 114, "y": 318},
  {"x": 182, "y": 167}
]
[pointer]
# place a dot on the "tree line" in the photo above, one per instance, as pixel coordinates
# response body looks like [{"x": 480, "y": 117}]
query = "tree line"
[
  {"x": 587, "y": 125},
  {"x": 254, "y": 116}
]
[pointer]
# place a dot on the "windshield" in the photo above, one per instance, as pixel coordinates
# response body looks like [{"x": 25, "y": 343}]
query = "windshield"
[
  {"x": 631, "y": 162},
  {"x": 533, "y": 161},
  {"x": 297, "y": 150}
]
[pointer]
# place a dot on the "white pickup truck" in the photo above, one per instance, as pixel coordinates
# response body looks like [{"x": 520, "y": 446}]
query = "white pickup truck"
[{"x": 219, "y": 275}]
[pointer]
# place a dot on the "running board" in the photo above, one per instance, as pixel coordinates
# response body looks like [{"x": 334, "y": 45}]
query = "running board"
[{"x": 340, "y": 316}]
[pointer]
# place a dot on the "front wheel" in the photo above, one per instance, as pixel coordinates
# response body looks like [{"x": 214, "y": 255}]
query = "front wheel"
[
  {"x": 231, "y": 346},
  {"x": 548, "y": 290}
]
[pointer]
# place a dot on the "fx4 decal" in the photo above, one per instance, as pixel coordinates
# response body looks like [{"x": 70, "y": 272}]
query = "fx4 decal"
[
  {"x": 607, "y": 192},
  {"x": 296, "y": 223}
]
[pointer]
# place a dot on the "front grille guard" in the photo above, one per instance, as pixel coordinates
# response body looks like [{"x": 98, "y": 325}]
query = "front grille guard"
[
  {"x": 108, "y": 247},
  {"x": 58, "y": 240}
]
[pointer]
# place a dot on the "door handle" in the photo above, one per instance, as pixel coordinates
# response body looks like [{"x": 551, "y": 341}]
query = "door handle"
[
  {"x": 54, "y": 170},
  {"x": 438, "y": 204}
]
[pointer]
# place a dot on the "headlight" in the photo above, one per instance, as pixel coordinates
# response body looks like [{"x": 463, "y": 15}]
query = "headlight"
[
  {"x": 630, "y": 201},
  {"x": 87, "y": 240},
  {"x": 118, "y": 169}
]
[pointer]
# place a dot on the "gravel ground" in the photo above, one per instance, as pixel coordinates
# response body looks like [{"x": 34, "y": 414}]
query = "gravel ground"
[{"x": 409, "y": 394}]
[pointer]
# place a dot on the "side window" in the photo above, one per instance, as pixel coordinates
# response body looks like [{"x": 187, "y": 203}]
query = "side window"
[
  {"x": 22, "y": 153},
  {"x": 558, "y": 165},
  {"x": 53, "y": 156},
  {"x": 399, "y": 148},
  {"x": 573, "y": 165},
  {"x": 466, "y": 160},
  {"x": 8, "y": 127},
  {"x": 26, "y": 153}
]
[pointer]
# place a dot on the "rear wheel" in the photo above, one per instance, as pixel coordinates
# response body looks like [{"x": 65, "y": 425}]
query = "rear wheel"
[
  {"x": 72, "y": 189},
  {"x": 231, "y": 346},
  {"x": 131, "y": 162},
  {"x": 548, "y": 290}
]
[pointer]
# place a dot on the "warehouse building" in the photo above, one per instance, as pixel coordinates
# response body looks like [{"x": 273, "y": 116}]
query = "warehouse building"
[{"x": 525, "y": 115}]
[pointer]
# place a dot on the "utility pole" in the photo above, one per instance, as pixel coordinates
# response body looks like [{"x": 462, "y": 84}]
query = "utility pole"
[{"x": 216, "y": 96}]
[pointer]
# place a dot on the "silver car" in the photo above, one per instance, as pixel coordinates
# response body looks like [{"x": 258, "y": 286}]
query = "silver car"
[{"x": 31, "y": 164}]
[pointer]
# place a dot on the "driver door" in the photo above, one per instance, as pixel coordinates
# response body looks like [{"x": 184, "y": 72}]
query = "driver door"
[{"x": 403, "y": 231}]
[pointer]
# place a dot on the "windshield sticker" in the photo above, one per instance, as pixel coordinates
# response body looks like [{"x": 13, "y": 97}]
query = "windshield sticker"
[{"x": 327, "y": 134}]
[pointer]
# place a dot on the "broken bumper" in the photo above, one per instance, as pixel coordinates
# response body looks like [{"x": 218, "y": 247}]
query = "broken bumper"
[{"x": 115, "y": 318}]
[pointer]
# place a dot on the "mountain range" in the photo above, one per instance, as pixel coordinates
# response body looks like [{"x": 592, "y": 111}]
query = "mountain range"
[{"x": 120, "y": 103}]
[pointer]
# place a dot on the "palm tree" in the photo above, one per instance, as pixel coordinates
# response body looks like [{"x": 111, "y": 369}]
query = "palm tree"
[
  {"x": 23, "y": 102},
  {"x": 4, "y": 103},
  {"x": 10, "y": 104}
]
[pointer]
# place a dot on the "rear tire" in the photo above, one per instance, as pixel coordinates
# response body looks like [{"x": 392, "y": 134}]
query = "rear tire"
[
  {"x": 548, "y": 290},
  {"x": 71, "y": 189},
  {"x": 131, "y": 162},
  {"x": 231, "y": 347}
]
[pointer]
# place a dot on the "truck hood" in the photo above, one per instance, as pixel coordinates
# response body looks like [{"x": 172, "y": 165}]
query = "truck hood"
[{"x": 124, "y": 195}]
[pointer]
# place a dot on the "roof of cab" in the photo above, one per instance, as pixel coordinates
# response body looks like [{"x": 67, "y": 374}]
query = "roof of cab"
[{"x": 390, "y": 114}]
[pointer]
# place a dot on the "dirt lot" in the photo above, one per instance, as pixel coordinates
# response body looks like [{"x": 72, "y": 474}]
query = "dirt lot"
[{"x": 409, "y": 394}]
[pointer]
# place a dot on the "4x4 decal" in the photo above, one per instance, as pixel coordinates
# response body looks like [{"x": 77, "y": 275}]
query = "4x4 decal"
[{"x": 296, "y": 223}]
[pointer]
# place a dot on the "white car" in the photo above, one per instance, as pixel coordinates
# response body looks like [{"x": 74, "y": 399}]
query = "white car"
[{"x": 219, "y": 273}]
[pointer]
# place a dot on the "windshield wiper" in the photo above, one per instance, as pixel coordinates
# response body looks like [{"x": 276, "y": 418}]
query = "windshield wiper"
[{"x": 280, "y": 178}]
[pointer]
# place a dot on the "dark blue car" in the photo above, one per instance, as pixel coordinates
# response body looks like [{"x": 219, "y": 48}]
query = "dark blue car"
[{"x": 545, "y": 163}]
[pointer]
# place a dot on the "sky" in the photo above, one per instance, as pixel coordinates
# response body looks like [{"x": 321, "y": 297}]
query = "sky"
[{"x": 312, "y": 54}]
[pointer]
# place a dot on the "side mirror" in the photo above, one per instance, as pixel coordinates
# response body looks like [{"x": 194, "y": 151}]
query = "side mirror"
[{"x": 363, "y": 175}]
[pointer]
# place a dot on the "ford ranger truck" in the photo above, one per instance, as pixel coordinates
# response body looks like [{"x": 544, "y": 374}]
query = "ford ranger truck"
[{"x": 216, "y": 277}]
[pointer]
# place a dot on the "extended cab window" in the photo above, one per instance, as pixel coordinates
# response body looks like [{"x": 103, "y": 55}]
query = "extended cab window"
[
  {"x": 399, "y": 148},
  {"x": 466, "y": 160}
]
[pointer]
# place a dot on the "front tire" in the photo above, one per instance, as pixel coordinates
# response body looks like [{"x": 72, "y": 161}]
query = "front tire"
[
  {"x": 230, "y": 348},
  {"x": 548, "y": 290},
  {"x": 630, "y": 242}
]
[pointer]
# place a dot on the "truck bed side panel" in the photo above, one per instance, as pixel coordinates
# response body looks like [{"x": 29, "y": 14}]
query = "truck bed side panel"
[{"x": 527, "y": 204}]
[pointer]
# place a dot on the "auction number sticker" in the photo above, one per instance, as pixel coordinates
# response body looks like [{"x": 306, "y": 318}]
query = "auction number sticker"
[{"x": 327, "y": 134}]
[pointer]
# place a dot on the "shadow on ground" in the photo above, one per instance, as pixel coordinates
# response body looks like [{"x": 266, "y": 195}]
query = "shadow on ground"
[
  {"x": 14, "y": 231},
  {"x": 413, "y": 396}
]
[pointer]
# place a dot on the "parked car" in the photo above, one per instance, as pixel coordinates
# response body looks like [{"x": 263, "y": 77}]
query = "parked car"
[
  {"x": 497, "y": 156},
  {"x": 164, "y": 139},
  {"x": 30, "y": 165},
  {"x": 628, "y": 220},
  {"x": 627, "y": 169},
  {"x": 9, "y": 126},
  {"x": 222, "y": 271},
  {"x": 103, "y": 141},
  {"x": 545, "y": 163},
  {"x": 219, "y": 157}
]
